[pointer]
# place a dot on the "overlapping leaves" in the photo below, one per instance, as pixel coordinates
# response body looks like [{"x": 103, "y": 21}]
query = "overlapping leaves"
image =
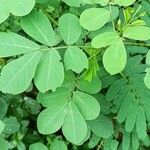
[
  {"x": 15, "y": 7},
  {"x": 68, "y": 110},
  {"x": 43, "y": 63}
]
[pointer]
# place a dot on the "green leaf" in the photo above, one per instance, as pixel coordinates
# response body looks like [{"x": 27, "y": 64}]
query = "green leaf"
[
  {"x": 17, "y": 75},
  {"x": 75, "y": 3},
  {"x": 141, "y": 123},
  {"x": 51, "y": 119},
  {"x": 124, "y": 109},
  {"x": 4, "y": 145},
  {"x": 101, "y": 126},
  {"x": 88, "y": 105},
  {"x": 21, "y": 7},
  {"x": 74, "y": 127},
  {"x": 13, "y": 44},
  {"x": 2, "y": 126},
  {"x": 50, "y": 72},
  {"x": 58, "y": 145},
  {"x": 104, "y": 39},
  {"x": 124, "y": 2},
  {"x": 91, "y": 87},
  {"x": 37, "y": 146},
  {"x": 11, "y": 125},
  {"x": 38, "y": 26},
  {"x": 70, "y": 28},
  {"x": 59, "y": 96},
  {"x": 137, "y": 33},
  {"x": 4, "y": 11},
  {"x": 131, "y": 117},
  {"x": 115, "y": 57},
  {"x": 94, "y": 18},
  {"x": 75, "y": 59}
]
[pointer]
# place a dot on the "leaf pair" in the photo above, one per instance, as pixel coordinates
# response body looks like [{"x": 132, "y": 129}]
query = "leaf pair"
[
  {"x": 70, "y": 30},
  {"x": 15, "y": 7},
  {"x": 115, "y": 57},
  {"x": 67, "y": 112}
]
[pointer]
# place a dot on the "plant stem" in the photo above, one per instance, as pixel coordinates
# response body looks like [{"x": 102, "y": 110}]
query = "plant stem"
[
  {"x": 110, "y": 9},
  {"x": 65, "y": 47},
  {"x": 137, "y": 44}
]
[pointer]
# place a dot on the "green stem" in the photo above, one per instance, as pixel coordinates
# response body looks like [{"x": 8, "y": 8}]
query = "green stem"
[
  {"x": 65, "y": 47},
  {"x": 110, "y": 9},
  {"x": 137, "y": 44}
]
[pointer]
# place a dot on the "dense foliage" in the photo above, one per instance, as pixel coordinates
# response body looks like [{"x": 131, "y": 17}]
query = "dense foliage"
[{"x": 75, "y": 74}]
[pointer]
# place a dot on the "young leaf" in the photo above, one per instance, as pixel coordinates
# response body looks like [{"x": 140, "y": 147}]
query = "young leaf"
[
  {"x": 50, "y": 72},
  {"x": 4, "y": 11},
  {"x": 75, "y": 59},
  {"x": 74, "y": 127},
  {"x": 37, "y": 25},
  {"x": 12, "y": 44},
  {"x": 20, "y": 7},
  {"x": 36, "y": 146},
  {"x": 115, "y": 57},
  {"x": 88, "y": 105},
  {"x": 70, "y": 28},
  {"x": 94, "y": 18},
  {"x": 137, "y": 33},
  {"x": 17, "y": 75},
  {"x": 104, "y": 39}
]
